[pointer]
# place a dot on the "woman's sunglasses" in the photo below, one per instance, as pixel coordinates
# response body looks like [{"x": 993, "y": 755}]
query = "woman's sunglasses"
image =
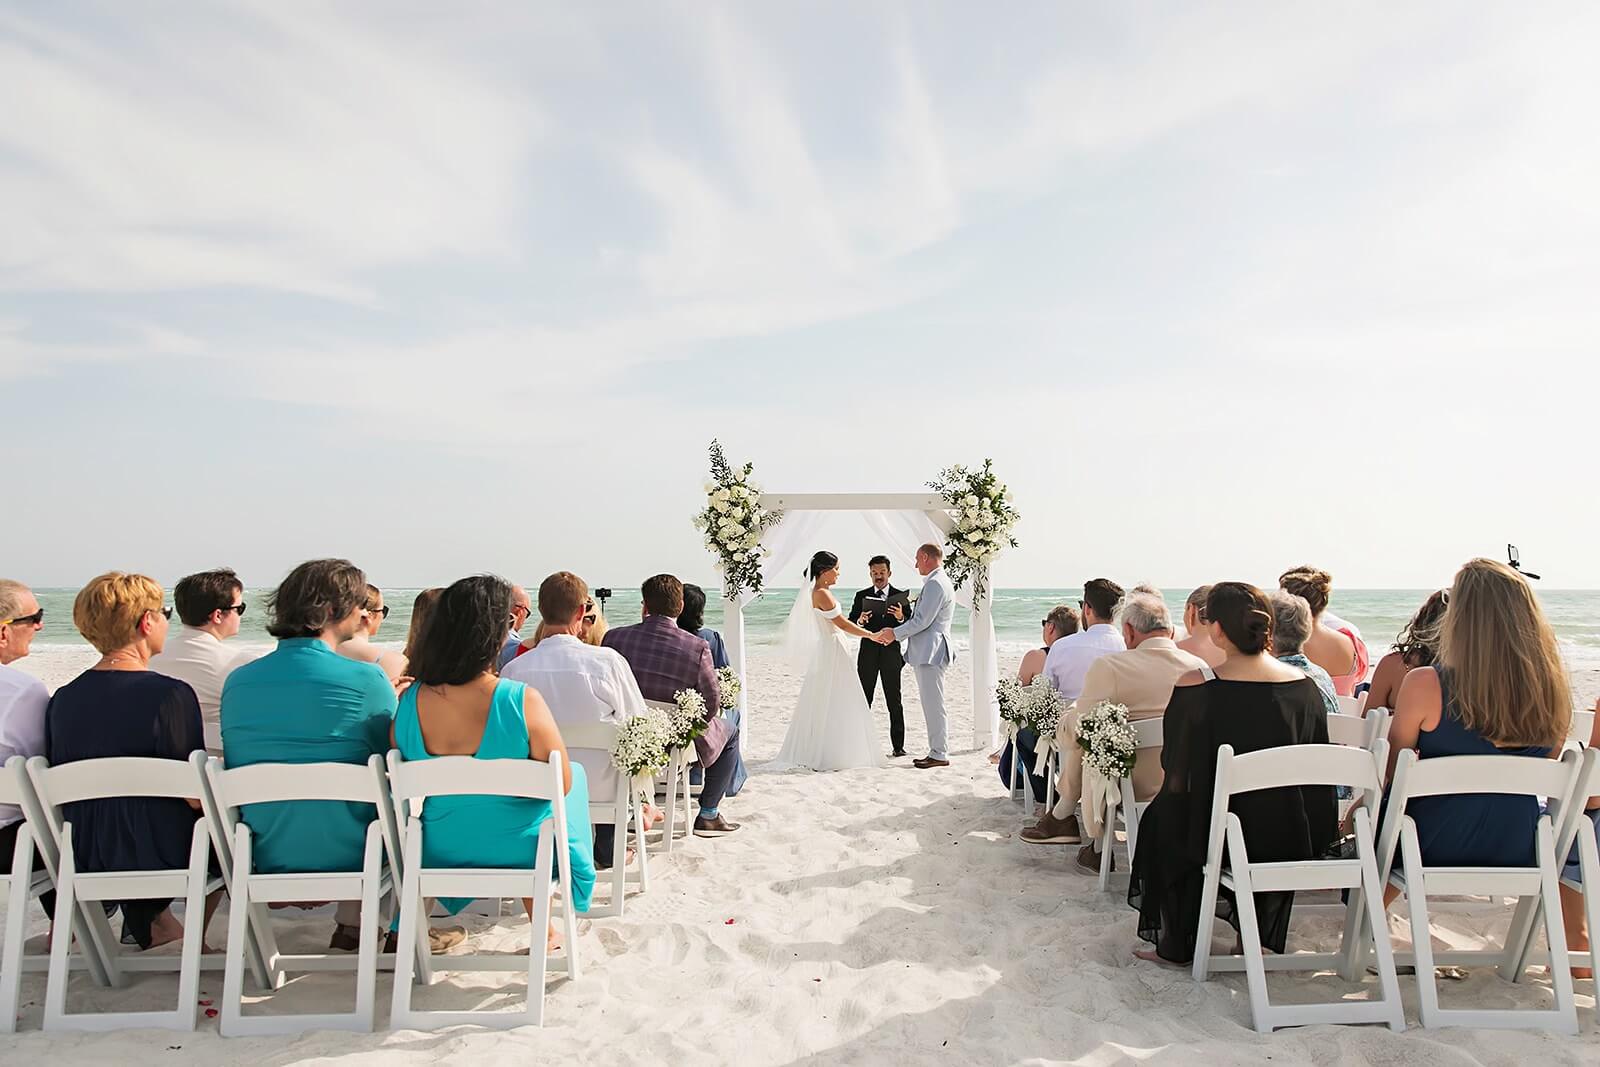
[
  {"x": 36, "y": 619},
  {"x": 382, "y": 613}
]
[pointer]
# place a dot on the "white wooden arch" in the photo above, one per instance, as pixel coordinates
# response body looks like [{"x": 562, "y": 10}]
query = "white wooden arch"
[{"x": 985, "y": 711}]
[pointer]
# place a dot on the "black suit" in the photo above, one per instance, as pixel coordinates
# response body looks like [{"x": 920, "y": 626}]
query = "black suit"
[{"x": 876, "y": 661}]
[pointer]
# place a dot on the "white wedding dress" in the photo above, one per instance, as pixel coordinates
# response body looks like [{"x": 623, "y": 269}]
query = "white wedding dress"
[{"x": 832, "y": 727}]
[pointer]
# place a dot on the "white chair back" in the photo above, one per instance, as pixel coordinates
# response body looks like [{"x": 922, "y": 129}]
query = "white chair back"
[
  {"x": 20, "y": 883},
  {"x": 1351, "y": 705},
  {"x": 1148, "y": 734},
  {"x": 678, "y": 785},
  {"x": 1351, "y": 730},
  {"x": 413, "y": 784},
  {"x": 83, "y": 892},
  {"x": 1581, "y": 731},
  {"x": 626, "y": 804}
]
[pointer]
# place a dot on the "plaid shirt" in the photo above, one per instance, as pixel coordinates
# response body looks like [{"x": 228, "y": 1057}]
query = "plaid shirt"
[{"x": 666, "y": 659}]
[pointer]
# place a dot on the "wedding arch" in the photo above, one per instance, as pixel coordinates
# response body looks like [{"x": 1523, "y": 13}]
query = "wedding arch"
[{"x": 757, "y": 534}]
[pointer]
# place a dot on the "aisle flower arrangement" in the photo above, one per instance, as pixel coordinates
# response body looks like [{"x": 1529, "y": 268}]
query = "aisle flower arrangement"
[
  {"x": 984, "y": 519},
  {"x": 733, "y": 521},
  {"x": 642, "y": 749},
  {"x": 688, "y": 717},
  {"x": 1011, "y": 696},
  {"x": 1042, "y": 713},
  {"x": 728, "y": 688},
  {"x": 1109, "y": 744}
]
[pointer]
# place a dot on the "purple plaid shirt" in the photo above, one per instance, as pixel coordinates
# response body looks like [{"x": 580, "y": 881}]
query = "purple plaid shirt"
[{"x": 666, "y": 659}]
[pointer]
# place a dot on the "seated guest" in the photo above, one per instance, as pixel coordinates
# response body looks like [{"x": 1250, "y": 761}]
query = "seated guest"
[
  {"x": 1572, "y": 915},
  {"x": 23, "y": 699},
  {"x": 360, "y": 647},
  {"x": 460, "y": 706},
  {"x": 1251, "y": 702},
  {"x": 210, "y": 606},
  {"x": 1498, "y": 687},
  {"x": 421, "y": 609},
  {"x": 521, "y": 608},
  {"x": 666, "y": 659},
  {"x": 305, "y": 703},
  {"x": 119, "y": 707},
  {"x": 579, "y": 683},
  {"x": 1061, "y": 622},
  {"x": 1196, "y": 641},
  {"x": 693, "y": 620},
  {"x": 1417, "y": 646},
  {"x": 1337, "y": 650},
  {"x": 1068, "y": 661},
  {"x": 591, "y": 630},
  {"x": 1141, "y": 679},
  {"x": 1291, "y": 625},
  {"x": 594, "y": 626}
]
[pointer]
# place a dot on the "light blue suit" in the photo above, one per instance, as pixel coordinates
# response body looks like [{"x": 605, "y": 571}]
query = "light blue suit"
[{"x": 927, "y": 637}]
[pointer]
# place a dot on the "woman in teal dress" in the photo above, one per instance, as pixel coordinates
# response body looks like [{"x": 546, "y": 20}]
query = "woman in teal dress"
[{"x": 459, "y": 706}]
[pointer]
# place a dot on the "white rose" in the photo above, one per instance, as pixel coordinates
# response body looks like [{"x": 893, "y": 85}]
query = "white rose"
[
  {"x": 971, "y": 501},
  {"x": 710, "y": 488},
  {"x": 971, "y": 513},
  {"x": 736, "y": 530},
  {"x": 969, "y": 552},
  {"x": 720, "y": 505},
  {"x": 723, "y": 495}
]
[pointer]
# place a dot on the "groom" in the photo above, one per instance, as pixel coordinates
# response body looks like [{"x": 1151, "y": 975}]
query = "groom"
[{"x": 927, "y": 638}]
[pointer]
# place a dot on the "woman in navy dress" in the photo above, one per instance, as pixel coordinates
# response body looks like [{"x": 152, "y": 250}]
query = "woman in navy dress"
[
  {"x": 1497, "y": 688},
  {"x": 693, "y": 619},
  {"x": 119, "y": 707}
]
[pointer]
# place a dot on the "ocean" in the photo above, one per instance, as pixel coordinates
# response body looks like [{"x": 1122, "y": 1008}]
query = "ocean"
[{"x": 1378, "y": 613}]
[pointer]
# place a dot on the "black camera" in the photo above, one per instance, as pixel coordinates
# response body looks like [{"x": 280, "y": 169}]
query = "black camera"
[{"x": 602, "y": 594}]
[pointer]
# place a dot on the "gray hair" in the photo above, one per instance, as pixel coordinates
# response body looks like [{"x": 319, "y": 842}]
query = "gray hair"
[
  {"x": 11, "y": 594},
  {"x": 1146, "y": 588},
  {"x": 1291, "y": 622},
  {"x": 1146, "y": 614}
]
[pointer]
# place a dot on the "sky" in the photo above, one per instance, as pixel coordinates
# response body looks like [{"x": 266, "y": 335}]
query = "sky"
[{"x": 1221, "y": 289}]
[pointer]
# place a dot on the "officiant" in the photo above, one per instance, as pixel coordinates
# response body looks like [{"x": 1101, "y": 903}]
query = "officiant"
[{"x": 871, "y": 612}]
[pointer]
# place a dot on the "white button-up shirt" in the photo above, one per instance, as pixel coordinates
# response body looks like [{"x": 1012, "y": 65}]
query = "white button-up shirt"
[
  {"x": 1068, "y": 662},
  {"x": 582, "y": 683},
  {"x": 196, "y": 656},
  {"x": 23, "y": 699}
]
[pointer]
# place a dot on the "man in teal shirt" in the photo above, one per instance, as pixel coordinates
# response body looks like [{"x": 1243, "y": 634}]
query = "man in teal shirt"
[{"x": 305, "y": 703}]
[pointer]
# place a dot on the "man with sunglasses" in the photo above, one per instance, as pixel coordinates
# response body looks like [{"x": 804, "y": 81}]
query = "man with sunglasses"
[
  {"x": 210, "y": 606},
  {"x": 23, "y": 699},
  {"x": 521, "y": 608}
]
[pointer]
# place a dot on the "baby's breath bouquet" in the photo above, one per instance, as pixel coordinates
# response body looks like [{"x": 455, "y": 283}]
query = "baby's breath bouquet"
[
  {"x": 688, "y": 717},
  {"x": 1109, "y": 743},
  {"x": 729, "y": 687},
  {"x": 643, "y": 747},
  {"x": 1011, "y": 696},
  {"x": 1041, "y": 712}
]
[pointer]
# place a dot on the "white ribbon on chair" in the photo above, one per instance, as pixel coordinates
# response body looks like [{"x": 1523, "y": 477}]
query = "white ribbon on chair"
[
  {"x": 1042, "y": 754},
  {"x": 1101, "y": 796}
]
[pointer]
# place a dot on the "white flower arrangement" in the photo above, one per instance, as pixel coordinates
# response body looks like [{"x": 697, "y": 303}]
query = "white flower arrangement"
[
  {"x": 642, "y": 747},
  {"x": 733, "y": 521},
  {"x": 1109, "y": 743},
  {"x": 688, "y": 717},
  {"x": 984, "y": 519},
  {"x": 729, "y": 687},
  {"x": 1011, "y": 696},
  {"x": 1042, "y": 709}
]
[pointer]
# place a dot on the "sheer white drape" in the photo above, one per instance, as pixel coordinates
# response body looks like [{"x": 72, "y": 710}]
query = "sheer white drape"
[{"x": 791, "y": 543}]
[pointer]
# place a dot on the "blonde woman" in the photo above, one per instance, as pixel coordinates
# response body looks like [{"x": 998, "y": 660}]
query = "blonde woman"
[
  {"x": 360, "y": 647},
  {"x": 1338, "y": 650},
  {"x": 1497, "y": 688},
  {"x": 119, "y": 707},
  {"x": 591, "y": 630},
  {"x": 1196, "y": 634}
]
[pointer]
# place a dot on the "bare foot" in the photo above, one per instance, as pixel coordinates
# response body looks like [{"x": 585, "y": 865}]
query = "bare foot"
[
  {"x": 165, "y": 929},
  {"x": 652, "y": 815},
  {"x": 1149, "y": 956},
  {"x": 552, "y": 940},
  {"x": 994, "y": 757}
]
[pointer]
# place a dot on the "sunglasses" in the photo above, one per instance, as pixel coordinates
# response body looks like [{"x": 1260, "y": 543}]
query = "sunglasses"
[
  {"x": 36, "y": 619},
  {"x": 237, "y": 609},
  {"x": 1044, "y": 622},
  {"x": 382, "y": 613},
  {"x": 165, "y": 613},
  {"x": 588, "y": 620}
]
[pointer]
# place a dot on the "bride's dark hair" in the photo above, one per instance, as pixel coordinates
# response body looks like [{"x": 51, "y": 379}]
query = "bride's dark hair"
[{"x": 820, "y": 562}]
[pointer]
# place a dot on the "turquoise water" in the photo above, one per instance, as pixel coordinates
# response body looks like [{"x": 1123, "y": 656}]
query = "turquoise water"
[{"x": 1379, "y": 613}]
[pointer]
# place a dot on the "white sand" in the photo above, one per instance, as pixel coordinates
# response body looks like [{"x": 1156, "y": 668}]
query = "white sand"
[{"x": 878, "y": 917}]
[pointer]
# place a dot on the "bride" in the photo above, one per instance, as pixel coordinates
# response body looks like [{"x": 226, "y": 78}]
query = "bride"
[{"x": 832, "y": 727}]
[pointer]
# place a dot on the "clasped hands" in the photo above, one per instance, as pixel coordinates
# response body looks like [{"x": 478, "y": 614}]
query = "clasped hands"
[{"x": 884, "y": 637}]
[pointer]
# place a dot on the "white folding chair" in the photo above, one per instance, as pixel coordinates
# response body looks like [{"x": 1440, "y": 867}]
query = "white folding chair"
[
  {"x": 1581, "y": 730},
  {"x": 20, "y": 883},
  {"x": 1534, "y": 887},
  {"x": 1277, "y": 768},
  {"x": 677, "y": 772},
  {"x": 616, "y": 812},
  {"x": 249, "y": 916},
  {"x": 443, "y": 776},
  {"x": 1350, "y": 730},
  {"x": 1147, "y": 733},
  {"x": 1351, "y": 705},
  {"x": 1575, "y": 829},
  {"x": 82, "y": 892}
]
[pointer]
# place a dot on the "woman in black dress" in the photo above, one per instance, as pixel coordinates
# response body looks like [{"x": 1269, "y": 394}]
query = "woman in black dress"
[
  {"x": 119, "y": 707},
  {"x": 1252, "y": 702}
]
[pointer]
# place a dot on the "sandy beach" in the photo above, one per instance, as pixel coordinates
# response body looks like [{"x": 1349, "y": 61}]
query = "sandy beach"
[{"x": 867, "y": 917}]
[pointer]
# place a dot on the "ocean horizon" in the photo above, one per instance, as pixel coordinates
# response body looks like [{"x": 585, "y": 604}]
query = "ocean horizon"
[{"x": 1379, "y": 614}]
